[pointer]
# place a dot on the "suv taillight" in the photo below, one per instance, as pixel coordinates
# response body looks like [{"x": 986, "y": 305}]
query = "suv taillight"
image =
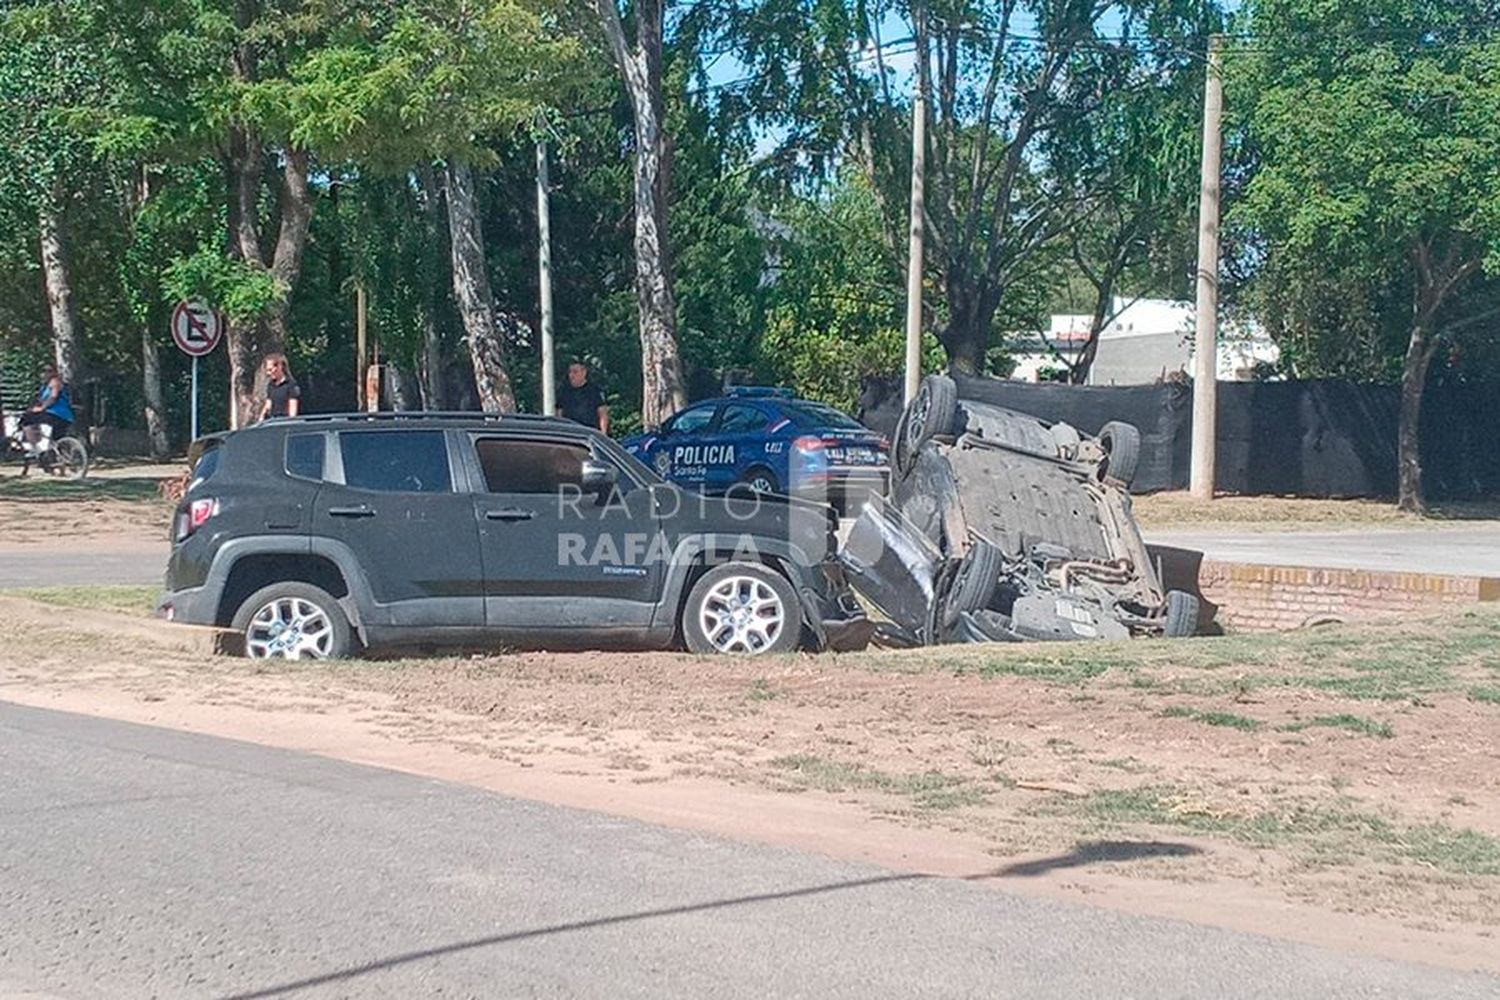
[{"x": 196, "y": 516}]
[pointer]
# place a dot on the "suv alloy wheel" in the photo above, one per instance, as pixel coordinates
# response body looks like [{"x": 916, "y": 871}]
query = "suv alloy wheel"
[
  {"x": 742, "y": 608},
  {"x": 292, "y": 621}
]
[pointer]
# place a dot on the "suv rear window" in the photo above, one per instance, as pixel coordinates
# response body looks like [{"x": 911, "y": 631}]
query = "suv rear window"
[
  {"x": 304, "y": 455},
  {"x": 812, "y": 416},
  {"x": 512, "y": 466},
  {"x": 396, "y": 461}
]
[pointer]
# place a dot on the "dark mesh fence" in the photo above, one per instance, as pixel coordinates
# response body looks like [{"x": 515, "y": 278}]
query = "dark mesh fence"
[{"x": 1321, "y": 438}]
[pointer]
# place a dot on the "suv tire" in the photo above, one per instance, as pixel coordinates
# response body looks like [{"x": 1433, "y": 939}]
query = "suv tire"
[
  {"x": 1122, "y": 452},
  {"x": 293, "y": 621},
  {"x": 742, "y": 608},
  {"x": 973, "y": 584},
  {"x": 931, "y": 415},
  {"x": 1182, "y": 615}
]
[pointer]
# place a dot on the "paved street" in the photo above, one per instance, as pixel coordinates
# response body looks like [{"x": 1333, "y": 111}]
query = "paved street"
[
  {"x": 1458, "y": 549},
  {"x": 140, "y": 862},
  {"x": 37, "y": 566}
]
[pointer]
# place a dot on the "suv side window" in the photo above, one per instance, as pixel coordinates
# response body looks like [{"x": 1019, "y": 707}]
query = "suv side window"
[
  {"x": 396, "y": 461},
  {"x": 511, "y": 465},
  {"x": 692, "y": 421},
  {"x": 304, "y": 455},
  {"x": 741, "y": 418}
]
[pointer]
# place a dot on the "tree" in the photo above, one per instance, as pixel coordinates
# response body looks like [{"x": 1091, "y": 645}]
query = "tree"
[
  {"x": 1376, "y": 168},
  {"x": 432, "y": 80},
  {"x": 640, "y": 66},
  {"x": 1007, "y": 84}
]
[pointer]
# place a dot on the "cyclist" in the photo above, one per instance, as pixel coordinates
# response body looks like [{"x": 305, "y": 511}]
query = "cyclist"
[{"x": 52, "y": 408}]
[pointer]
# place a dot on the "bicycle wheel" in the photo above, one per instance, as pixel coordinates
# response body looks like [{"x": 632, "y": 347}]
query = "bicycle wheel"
[{"x": 70, "y": 459}]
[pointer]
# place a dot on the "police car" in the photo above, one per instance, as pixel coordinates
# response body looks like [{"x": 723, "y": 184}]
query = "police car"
[{"x": 767, "y": 440}]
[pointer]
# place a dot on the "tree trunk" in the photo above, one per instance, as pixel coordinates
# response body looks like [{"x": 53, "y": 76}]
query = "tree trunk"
[
  {"x": 471, "y": 289},
  {"x": 431, "y": 368},
  {"x": 155, "y": 409},
  {"x": 661, "y": 366},
  {"x": 1078, "y": 372},
  {"x": 291, "y": 241},
  {"x": 67, "y": 334},
  {"x": 1408, "y": 446},
  {"x": 966, "y": 338}
]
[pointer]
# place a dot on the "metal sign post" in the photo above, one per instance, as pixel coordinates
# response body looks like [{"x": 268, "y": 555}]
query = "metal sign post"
[{"x": 196, "y": 329}]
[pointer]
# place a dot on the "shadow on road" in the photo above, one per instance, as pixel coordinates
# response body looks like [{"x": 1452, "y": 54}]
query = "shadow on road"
[
  {"x": 1093, "y": 852},
  {"x": 1083, "y": 854},
  {"x": 343, "y": 975}
]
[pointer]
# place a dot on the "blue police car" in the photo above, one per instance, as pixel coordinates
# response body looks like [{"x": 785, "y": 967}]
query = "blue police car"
[{"x": 767, "y": 440}]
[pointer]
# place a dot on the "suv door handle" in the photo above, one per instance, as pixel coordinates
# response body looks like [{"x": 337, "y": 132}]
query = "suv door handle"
[
  {"x": 360, "y": 510},
  {"x": 509, "y": 514}
]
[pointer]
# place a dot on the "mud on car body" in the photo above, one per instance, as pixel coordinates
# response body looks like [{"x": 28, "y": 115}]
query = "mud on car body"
[
  {"x": 1000, "y": 526},
  {"x": 767, "y": 440},
  {"x": 315, "y": 536}
]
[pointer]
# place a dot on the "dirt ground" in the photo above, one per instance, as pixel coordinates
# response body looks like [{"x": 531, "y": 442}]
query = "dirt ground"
[{"x": 1337, "y": 786}]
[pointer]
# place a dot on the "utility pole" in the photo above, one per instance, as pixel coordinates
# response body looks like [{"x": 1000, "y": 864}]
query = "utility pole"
[
  {"x": 918, "y": 216},
  {"x": 1206, "y": 333},
  {"x": 544, "y": 278},
  {"x": 361, "y": 346}
]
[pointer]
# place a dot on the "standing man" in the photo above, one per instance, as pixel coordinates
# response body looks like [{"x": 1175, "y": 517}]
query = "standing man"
[
  {"x": 581, "y": 401},
  {"x": 283, "y": 394}
]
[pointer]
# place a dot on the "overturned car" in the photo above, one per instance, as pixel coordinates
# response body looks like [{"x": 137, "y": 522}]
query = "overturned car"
[{"x": 999, "y": 526}]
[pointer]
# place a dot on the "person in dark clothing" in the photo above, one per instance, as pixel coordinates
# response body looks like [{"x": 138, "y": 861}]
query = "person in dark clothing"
[
  {"x": 581, "y": 401},
  {"x": 283, "y": 395}
]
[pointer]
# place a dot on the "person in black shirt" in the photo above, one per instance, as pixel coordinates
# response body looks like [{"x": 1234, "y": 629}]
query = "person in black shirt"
[
  {"x": 581, "y": 401},
  {"x": 283, "y": 395}
]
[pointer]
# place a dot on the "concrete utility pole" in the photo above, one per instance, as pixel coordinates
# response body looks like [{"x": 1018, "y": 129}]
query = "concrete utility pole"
[
  {"x": 1206, "y": 339},
  {"x": 544, "y": 278},
  {"x": 914, "y": 250},
  {"x": 361, "y": 347}
]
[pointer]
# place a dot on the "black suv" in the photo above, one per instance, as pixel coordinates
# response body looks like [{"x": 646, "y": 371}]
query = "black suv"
[{"x": 315, "y": 536}]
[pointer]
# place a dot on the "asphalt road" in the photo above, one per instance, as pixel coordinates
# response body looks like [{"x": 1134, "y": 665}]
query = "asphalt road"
[
  {"x": 140, "y": 862},
  {"x": 37, "y": 566},
  {"x": 1458, "y": 550}
]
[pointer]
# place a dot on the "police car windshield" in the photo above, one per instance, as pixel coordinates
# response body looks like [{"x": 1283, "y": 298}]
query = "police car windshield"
[{"x": 811, "y": 416}]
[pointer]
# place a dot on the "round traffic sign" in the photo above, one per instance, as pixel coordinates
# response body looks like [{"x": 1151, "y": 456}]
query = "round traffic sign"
[{"x": 196, "y": 328}]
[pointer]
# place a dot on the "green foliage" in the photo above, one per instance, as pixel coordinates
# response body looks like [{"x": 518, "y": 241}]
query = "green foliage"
[
  {"x": 241, "y": 291},
  {"x": 1369, "y": 138}
]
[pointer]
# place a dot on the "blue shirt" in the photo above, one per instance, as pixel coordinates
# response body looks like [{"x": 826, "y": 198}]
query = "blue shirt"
[{"x": 59, "y": 407}]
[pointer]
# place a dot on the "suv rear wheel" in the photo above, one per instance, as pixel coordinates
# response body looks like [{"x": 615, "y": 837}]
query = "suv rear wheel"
[
  {"x": 292, "y": 621},
  {"x": 743, "y": 608}
]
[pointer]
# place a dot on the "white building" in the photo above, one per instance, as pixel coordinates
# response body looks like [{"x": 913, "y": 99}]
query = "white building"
[{"x": 1147, "y": 341}]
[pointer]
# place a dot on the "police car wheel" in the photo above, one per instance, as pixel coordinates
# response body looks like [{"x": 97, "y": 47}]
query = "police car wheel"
[
  {"x": 743, "y": 609},
  {"x": 759, "y": 480}
]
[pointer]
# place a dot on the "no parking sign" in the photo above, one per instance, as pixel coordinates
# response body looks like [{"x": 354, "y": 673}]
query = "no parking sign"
[{"x": 196, "y": 330}]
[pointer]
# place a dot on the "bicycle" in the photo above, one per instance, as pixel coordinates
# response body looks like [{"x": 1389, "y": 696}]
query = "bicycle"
[{"x": 64, "y": 457}]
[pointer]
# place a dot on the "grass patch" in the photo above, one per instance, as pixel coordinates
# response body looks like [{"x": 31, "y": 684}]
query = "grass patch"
[
  {"x": 127, "y": 600},
  {"x": 1351, "y": 723},
  {"x": 1332, "y": 833},
  {"x": 927, "y": 789},
  {"x": 1226, "y": 719},
  {"x": 42, "y": 487},
  {"x": 1485, "y": 693},
  {"x": 761, "y": 690}
]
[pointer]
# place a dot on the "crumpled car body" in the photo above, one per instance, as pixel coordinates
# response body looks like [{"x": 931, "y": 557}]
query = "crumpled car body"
[{"x": 999, "y": 526}]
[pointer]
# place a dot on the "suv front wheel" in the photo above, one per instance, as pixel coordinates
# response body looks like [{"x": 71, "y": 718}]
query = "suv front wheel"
[
  {"x": 292, "y": 621},
  {"x": 742, "y": 608}
]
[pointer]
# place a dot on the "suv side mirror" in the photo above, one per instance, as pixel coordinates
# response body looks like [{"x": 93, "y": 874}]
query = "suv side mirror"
[{"x": 598, "y": 477}]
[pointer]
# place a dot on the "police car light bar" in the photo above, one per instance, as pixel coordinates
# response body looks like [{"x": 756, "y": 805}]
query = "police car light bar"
[{"x": 761, "y": 390}]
